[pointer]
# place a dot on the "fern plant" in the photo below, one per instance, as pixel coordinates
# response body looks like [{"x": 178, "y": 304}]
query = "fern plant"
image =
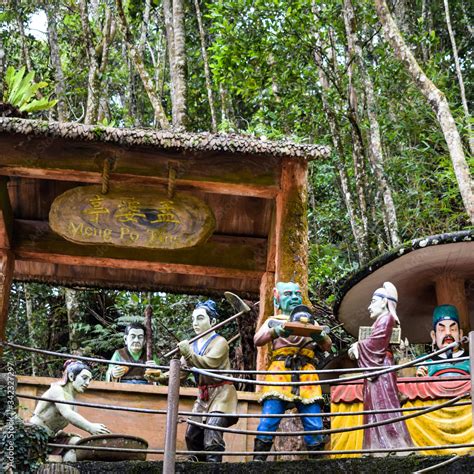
[{"x": 20, "y": 90}]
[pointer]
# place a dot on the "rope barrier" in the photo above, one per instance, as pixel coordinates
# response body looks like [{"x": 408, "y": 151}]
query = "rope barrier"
[
  {"x": 337, "y": 381},
  {"x": 438, "y": 465},
  {"x": 211, "y": 372},
  {"x": 320, "y": 371},
  {"x": 324, "y": 432},
  {"x": 278, "y": 453},
  {"x": 239, "y": 415},
  {"x": 76, "y": 357}
]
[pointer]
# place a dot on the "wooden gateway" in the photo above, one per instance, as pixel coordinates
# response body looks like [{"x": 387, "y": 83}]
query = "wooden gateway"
[{"x": 194, "y": 213}]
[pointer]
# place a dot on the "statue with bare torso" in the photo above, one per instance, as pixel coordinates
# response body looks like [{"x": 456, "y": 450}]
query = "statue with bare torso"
[{"x": 55, "y": 416}]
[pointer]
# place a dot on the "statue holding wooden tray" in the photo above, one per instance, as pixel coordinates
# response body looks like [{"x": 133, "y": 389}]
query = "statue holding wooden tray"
[{"x": 293, "y": 333}]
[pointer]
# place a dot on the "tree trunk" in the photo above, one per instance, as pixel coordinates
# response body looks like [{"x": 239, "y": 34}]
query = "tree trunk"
[
  {"x": 2, "y": 64},
  {"x": 155, "y": 99},
  {"x": 144, "y": 28},
  {"x": 460, "y": 78},
  {"x": 467, "y": 21},
  {"x": 31, "y": 328},
  {"x": 360, "y": 236},
  {"x": 73, "y": 317},
  {"x": 207, "y": 73},
  {"x": 428, "y": 24},
  {"x": 92, "y": 106},
  {"x": 375, "y": 150},
  {"x": 400, "y": 13},
  {"x": 24, "y": 44},
  {"x": 438, "y": 102},
  {"x": 174, "y": 23},
  {"x": 60, "y": 85}
]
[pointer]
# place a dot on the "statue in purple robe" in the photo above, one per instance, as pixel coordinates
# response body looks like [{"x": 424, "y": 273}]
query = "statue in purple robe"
[{"x": 380, "y": 392}]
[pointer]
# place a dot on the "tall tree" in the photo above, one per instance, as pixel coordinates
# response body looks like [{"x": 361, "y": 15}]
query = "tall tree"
[
  {"x": 175, "y": 34},
  {"x": 60, "y": 85},
  {"x": 436, "y": 99},
  {"x": 375, "y": 142},
  {"x": 155, "y": 99},
  {"x": 462, "y": 89},
  {"x": 207, "y": 72},
  {"x": 97, "y": 52}
]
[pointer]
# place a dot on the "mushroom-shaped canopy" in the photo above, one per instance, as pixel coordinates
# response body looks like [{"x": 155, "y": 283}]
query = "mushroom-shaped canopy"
[{"x": 426, "y": 272}]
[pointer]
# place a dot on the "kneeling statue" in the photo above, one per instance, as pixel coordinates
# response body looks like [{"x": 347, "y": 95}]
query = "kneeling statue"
[{"x": 55, "y": 416}]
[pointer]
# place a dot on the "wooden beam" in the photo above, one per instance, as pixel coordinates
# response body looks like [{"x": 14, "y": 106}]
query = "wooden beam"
[
  {"x": 91, "y": 177},
  {"x": 6, "y": 215},
  {"x": 133, "y": 280},
  {"x": 62, "y": 159},
  {"x": 94, "y": 261},
  {"x": 6, "y": 275}
]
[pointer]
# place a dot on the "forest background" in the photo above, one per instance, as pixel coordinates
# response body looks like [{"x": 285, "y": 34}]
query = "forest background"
[{"x": 312, "y": 71}]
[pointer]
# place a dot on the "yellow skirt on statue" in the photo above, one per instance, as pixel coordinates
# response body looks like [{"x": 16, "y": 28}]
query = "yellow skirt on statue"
[{"x": 306, "y": 393}]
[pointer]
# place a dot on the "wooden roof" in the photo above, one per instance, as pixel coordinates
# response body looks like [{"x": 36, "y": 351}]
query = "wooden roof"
[{"x": 237, "y": 176}]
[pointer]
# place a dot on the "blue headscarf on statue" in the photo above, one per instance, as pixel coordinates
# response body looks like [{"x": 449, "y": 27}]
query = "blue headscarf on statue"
[{"x": 210, "y": 307}]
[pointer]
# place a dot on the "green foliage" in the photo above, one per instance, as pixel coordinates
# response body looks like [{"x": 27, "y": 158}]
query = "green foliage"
[
  {"x": 29, "y": 443},
  {"x": 20, "y": 90}
]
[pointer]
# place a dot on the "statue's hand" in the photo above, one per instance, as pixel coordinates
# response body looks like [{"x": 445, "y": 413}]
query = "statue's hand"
[
  {"x": 185, "y": 349},
  {"x": 353, "y": 351},
  {"x": 281, "y": 331},
  {"x": 422, "y": 371},
  {"x": 119, "y": 371},
  {"x": 98, "y": 428},
  {"x": 318, "y": 337},
  {"x": 152, "y": 374}
]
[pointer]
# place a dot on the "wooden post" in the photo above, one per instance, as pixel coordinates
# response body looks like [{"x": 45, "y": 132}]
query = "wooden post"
[
  {"x": 7, "y": 258},
  {"x": 450, "y": 290},
  {"x": 6, "y": 275},
  {"x": 265, "y": 310},
  {"x": 172, "y": 418},
  {"x": 289, "y": 242},
  {"x": 291, "y": 259}
]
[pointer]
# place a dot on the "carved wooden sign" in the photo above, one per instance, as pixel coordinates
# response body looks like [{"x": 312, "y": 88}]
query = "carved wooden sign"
[{"x": 131, "y": 216}]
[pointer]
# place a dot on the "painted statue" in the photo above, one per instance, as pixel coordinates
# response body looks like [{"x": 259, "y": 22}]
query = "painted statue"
[
  {"x": 214, "y": 395},
  {"x": 381, "y": 392},
  {"x": 54, "y": 416},
  {"x": 289, "y": 352},
  {"x": 134, "y": 352},
  {"x": 445, "y": 331}
]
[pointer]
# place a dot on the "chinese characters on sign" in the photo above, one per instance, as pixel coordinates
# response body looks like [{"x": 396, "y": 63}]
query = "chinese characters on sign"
[{"x": 131, "y": 218}]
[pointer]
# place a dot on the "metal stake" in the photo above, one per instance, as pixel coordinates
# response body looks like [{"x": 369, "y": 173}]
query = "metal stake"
[
  {"x": 471, "y": 360},
  {"x": 172, "y": 418}
]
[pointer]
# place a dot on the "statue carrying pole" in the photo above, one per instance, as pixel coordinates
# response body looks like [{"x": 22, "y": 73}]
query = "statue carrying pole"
[{"x": 237, "y": 303}]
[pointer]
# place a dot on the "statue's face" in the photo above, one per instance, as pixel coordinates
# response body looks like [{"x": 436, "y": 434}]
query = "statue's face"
[
  {"x": 447, "y": 332},
  {"x": 82, "y": 380},
  {"x": 377, "y": 306},
  {"x": 135, "y": 339},
  {"x": 289, "y": 296},
  {"x": 201, "y": 320}
]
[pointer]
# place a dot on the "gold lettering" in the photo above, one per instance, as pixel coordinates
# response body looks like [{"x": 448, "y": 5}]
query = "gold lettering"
[
  {"x": 75, "y": 228},
  {"x": 123, "y": 232},
  {"x": 96, "y": 209},
  {"x": 107, "y": 235},
  {"x": 129, "y": 211}
]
